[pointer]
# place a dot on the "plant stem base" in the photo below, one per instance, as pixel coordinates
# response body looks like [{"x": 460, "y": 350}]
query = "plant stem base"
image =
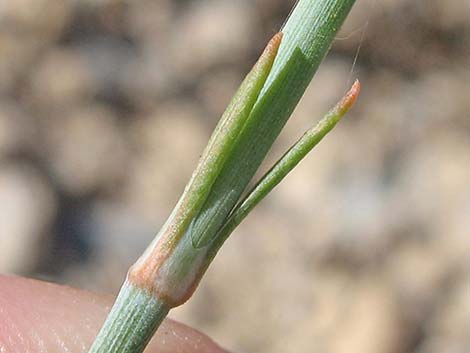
[{"x": 131, "y": 323}]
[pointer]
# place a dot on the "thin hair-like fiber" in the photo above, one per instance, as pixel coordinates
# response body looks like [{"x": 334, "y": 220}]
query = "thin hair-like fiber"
[
  {"x": 363, "y": 30},
  {"x": 356, "y": 55}
]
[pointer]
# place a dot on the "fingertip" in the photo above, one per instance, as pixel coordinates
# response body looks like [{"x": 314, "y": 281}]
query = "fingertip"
[{"x": 43, "y": 317}]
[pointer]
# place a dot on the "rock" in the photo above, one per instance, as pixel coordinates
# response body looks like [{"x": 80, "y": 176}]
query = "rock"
[
  {"x": 151, "y": 20},
  {"x": 27, "y": 210},
  {"x": 17, "y": 55},
  {"x": 205, "y": 36},
  {"x": 447, "y": 331},
  {"x": 86, "y": 150},
  {"x": 368, "y": 322},
  {"x": 28, "y": 17},
  {"x": 16, "y": 131},
  {"x": 216, "y": 90},
  {"x": 118, "y": 234},
  {"x": 61, "y": 79},
  {"x": 168, "y": 141}
]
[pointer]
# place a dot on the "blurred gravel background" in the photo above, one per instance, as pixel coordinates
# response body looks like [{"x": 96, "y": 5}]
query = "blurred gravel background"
[{"x": 106, "y": 105}]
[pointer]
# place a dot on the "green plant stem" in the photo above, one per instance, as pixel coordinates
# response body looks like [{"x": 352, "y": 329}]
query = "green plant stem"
[
  {"x": 131, "y": 323},
  {"x": 307, "y": 36},
  {"x": 170, "y": 269}
]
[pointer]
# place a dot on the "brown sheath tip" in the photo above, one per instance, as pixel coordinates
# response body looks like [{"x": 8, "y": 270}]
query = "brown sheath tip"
[
  {"x": 273, "y": 45},
  {"x": 350, "y": 97}
]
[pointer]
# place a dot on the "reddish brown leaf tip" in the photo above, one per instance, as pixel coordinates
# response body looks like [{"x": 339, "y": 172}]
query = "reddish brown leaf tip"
[
  {"x": 273, "y": 46},
  {"x": 275, "y": 41},
  {"x": 349, "y": 98}
]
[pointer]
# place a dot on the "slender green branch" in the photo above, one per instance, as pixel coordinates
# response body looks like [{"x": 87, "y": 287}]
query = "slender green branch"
[
  {"x": 168, "y": 272},
  {"x": 286, "y": 164}
]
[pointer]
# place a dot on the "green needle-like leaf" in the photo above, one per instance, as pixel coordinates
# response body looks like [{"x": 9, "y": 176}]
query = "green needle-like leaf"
[{"x": 288, "y": 162}]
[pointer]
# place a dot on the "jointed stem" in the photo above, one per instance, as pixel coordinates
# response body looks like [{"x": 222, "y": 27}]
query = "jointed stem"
[{"x": 170, "y": 269}]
